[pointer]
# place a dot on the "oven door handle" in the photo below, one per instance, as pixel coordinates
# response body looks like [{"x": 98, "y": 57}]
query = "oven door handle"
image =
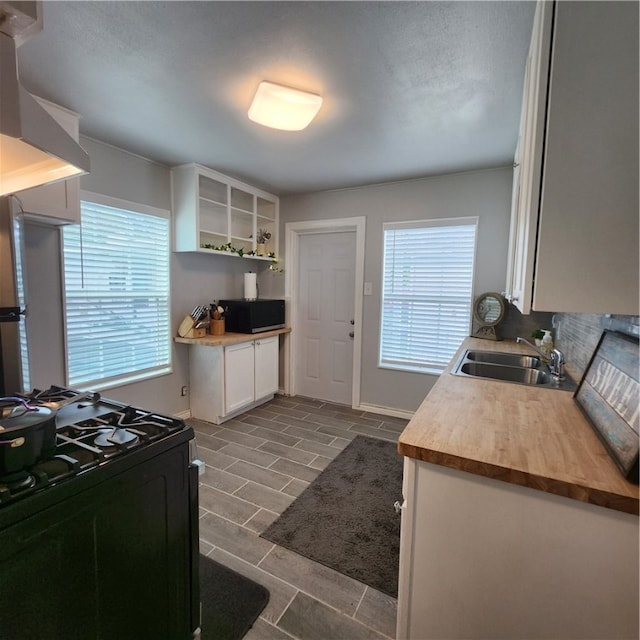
[{"x": 194, "y": 547}]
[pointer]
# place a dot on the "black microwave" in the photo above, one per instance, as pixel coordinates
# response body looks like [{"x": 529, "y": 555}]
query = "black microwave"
[{"x": 252, "y": 316}]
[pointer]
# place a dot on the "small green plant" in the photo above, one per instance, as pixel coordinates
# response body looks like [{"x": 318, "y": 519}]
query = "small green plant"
[
  {"x": 538, "y": 334},
  {"x": 226, "y": 247},
  {"x": 274, "y": 263},
  {"x": 229, "y": 248}
]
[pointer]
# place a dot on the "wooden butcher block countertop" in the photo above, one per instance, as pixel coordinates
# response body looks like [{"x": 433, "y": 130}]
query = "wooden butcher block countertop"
[
  {"x": 230, "y": 338},
  {"x": 526, "y": 435}
]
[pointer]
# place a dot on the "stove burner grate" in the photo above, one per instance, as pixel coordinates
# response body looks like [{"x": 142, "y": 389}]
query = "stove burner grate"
[
  {"x": 44, "y": 474},
  {"x": 18, "y": 481},
  {"x": 60, "y": 396},
  {"x": 116, "y": 437}
]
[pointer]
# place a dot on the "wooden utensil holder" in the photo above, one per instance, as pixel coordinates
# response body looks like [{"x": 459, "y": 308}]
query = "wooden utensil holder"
[{"x": 217, "y": 327}]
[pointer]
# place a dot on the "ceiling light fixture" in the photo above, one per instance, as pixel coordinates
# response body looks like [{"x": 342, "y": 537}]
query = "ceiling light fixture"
[{"x": 283, "y": 108}]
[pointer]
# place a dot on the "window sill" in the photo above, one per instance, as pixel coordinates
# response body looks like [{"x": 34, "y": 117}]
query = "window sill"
[
  {"x": 124, "y": 381},
  {"x": 409, "y": 369}
]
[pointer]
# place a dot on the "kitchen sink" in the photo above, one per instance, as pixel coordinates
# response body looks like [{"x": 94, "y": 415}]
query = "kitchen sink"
[
  {"x": 509, "y": 359},
  {"x": 505, "y": 373},
  {"x": 508, "y": 367}
]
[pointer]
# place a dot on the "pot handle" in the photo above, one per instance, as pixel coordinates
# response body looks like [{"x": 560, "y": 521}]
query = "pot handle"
[
  {"x": 14, "y": 399},
  {"x": 18, "y": 442},
  {"x": 22, "y": 401}
]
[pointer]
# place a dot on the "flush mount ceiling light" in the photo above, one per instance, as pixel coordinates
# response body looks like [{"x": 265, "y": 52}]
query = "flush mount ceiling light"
[{"x": 283, "y": 108}]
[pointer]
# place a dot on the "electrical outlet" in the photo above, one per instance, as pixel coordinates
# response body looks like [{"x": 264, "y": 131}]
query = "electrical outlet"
[
  {"x": 368, "y": 288},
  {"x": 183, "y": 391}
]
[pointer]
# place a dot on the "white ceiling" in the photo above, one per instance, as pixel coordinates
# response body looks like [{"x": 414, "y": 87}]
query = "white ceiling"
[{"x": 410, "y": 88}]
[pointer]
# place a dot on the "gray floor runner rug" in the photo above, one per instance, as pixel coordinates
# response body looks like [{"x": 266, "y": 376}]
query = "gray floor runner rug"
[
  {"x": 230, "y": 602},
  {"x": 345, "y": 518}
]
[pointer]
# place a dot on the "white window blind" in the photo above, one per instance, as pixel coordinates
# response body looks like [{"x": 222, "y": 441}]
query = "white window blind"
[
  {"x": 427, "y": 292},
  {"x": 18, "y": 246},
  {"x": 116, "y": 271}
]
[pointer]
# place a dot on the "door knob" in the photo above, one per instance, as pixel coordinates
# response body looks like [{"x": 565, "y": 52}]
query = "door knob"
[{"x": 398, "y": 506}]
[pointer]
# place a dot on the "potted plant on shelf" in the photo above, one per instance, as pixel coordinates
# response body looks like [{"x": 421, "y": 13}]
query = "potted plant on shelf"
[{"x": 261, "y": 241}]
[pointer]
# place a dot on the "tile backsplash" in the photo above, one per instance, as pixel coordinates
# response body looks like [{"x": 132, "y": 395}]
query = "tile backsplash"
[
  {"x": 577, "y": 335},
  {"x": 515, "y": 324}
]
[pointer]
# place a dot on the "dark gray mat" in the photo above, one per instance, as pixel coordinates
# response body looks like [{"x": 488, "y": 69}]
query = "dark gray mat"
[
  {"x": 345, "y": 518},
  {"x": 230, "y": 602}
]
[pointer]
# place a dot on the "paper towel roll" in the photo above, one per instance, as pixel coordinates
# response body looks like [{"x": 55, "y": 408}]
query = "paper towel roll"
[{"x": 250, "y": 286}]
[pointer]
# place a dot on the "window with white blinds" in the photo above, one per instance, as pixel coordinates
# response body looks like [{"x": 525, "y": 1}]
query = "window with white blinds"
[
  {"x": 116, "y": 273},
  {"x": 18, "y": 247},
  {"x": 427, "y": 292}
]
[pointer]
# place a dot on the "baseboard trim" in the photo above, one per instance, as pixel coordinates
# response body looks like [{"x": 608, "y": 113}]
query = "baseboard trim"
[
  {"x": 183, "y": 415},
  {"x": 385, "y": 411},
  {"x": 370, "y": 408}
]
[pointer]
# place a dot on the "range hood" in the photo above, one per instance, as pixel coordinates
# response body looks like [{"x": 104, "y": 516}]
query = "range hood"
[{"x": 34, "y": 148}]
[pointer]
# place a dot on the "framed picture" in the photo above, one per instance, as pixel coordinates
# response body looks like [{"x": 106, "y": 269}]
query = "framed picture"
[{"x": 609, "y": 396}]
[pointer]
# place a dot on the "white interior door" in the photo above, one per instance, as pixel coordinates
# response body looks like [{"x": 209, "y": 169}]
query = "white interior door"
[{"x": 325, "y": 313}]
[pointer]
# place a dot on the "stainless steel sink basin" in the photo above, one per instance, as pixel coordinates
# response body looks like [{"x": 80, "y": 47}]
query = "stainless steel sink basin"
[
  {"x": 509, "y": 359},
  {"x": 505, "y": 373},
  {"x": 508, "y": 367}
]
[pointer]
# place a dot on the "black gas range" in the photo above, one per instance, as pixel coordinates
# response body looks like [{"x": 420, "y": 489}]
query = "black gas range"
[
  {"x": 99, "y": 538},
  {"x": 91, "y": 431}
]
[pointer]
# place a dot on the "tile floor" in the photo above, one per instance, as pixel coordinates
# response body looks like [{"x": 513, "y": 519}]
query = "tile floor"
[{"x": 256, "y": 465}]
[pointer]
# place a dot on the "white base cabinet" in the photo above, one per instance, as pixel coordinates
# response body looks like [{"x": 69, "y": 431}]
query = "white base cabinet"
[
  {"x": 266, "y": 353},
  {"x": 239, "y": 376},
  {"x": 57, "y": 203},
  {"x": 228, "y": 380},
  {"x": 481, "y": 558}
]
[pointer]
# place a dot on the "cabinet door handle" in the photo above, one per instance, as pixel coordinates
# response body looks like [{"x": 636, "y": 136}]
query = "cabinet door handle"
[{"x": 351, "y": 334}]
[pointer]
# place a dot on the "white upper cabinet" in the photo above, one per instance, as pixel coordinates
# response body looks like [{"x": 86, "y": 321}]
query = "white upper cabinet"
[
  {"x": 212, "y": 210},
  {"x": 574, "y": 226},
  {"x": 59, "y": 202},
  {"x": 528, "y": 164}
]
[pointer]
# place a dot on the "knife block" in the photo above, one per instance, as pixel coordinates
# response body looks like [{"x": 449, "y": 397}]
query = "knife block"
[
  {"x": 188, "y": 329},
  {"x": 196, "y": 333}
]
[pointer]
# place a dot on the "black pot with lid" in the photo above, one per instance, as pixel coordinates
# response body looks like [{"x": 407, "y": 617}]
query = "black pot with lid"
[{"x": 27, "y": 434}]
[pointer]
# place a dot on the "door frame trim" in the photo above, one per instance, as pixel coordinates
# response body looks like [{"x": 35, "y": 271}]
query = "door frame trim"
[{"x": 293, "y": 231}]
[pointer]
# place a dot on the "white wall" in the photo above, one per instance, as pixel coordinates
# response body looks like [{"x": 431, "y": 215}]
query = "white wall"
[
  {"x": 486, "y": 194},
  {"x": 201, "y": 279},
  {"x": 195, "y": 279}
]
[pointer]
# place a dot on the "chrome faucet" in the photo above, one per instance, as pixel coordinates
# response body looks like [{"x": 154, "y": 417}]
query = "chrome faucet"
[{"x": 555, "y": 358}]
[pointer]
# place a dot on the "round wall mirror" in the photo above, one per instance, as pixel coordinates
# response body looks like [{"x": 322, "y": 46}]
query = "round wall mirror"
[{"x": 488, "y": 311}]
